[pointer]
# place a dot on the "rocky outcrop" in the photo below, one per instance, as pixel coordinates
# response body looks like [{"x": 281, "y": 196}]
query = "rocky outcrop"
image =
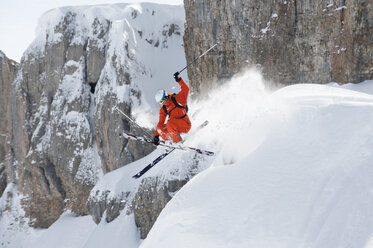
[
  {"x": 64, "y": 131},
  {"x": 117, "y": 193},
  {"x": 146, "y": 202},
  {"x": 151, "y": 198},
  {"x": 54, "y": 154},
  {"x": 292, "y": 41},
  {"x": 8, "y": 70}
]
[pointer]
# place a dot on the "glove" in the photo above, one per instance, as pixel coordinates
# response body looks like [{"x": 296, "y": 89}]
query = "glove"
[
  {"x": 156, "y": 140},
  {"x": 176, "y": 76}
]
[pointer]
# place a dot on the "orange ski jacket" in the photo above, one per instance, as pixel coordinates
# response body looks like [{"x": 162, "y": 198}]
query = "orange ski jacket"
[{"x": 173, "y": 111}]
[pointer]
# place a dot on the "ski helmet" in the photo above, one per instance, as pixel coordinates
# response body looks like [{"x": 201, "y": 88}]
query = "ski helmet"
[{"x": 160, "y": 96}]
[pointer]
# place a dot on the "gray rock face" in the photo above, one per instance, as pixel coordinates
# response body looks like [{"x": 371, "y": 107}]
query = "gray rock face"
[
  {"x": 56, "y": 153},
  {"x": 292, "y": 41},
  {"x": 96, "y": 39},
  {"x": 151, "y": 198},
  {"x": 64, "y": 131},
  {"x": 8, "y": 70}
]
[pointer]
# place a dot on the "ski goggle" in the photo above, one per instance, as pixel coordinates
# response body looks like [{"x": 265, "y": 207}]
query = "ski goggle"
[{"x": 163, "y": 98}]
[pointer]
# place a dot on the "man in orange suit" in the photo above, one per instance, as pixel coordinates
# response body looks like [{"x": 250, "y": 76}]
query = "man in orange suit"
[{"x": 174, "y": 106}]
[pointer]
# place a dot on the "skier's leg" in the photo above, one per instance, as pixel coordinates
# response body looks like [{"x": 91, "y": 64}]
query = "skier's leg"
[
  {"x": 163, "y": 132},
  {"x": 176, "y": 126},
  {"x": 172, "y": 130}
]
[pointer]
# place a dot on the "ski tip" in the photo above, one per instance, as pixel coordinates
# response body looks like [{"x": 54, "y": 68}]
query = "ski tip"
[{"x": 136, "y": 176}]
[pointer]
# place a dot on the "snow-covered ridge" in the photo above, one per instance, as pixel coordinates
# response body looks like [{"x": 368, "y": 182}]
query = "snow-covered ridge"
[
  {"x": 86, "y": 14},
  {"x": 137, "y": 16}
]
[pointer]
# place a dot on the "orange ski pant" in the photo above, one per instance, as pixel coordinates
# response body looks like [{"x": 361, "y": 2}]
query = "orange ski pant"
[{"x": 173, "y": 128}]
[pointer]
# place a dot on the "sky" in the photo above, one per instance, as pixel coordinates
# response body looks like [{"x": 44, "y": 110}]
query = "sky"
[{"x": 19, "y": 19}]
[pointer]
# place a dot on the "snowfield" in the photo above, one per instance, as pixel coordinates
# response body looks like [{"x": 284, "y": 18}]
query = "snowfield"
[
  {"x": 293, "y": 169},
  {"x": 307, "y": 183}
]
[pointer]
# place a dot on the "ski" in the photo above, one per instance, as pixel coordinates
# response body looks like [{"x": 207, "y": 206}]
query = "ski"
[
  {"x": 186, "y": 148},
  {"x": 155, "y": 161},
  {"x": 171, "y": 145},
  {"x": 168, "y": 150}
]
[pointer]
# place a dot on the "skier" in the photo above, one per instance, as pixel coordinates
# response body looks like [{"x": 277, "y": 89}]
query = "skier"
[{"x": 175, "y": 107}]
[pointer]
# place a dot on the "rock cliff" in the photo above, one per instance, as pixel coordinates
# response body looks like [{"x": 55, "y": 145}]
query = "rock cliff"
[
  {"x": 64, "y": 131},
  {"x": 293, "y": 41},
  {"x": 8, "y": 70}
]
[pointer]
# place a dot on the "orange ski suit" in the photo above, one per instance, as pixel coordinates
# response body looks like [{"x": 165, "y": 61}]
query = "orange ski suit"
[{"x": 178, "y": 120}]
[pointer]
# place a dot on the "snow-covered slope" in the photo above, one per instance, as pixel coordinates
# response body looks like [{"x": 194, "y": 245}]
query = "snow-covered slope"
[{"x": 293, "y": 169}]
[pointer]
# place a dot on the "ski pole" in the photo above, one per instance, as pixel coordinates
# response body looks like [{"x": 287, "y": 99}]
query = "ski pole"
[
  {"x": 142, "y": 129},
  {"x": 200, "y": 56}
]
